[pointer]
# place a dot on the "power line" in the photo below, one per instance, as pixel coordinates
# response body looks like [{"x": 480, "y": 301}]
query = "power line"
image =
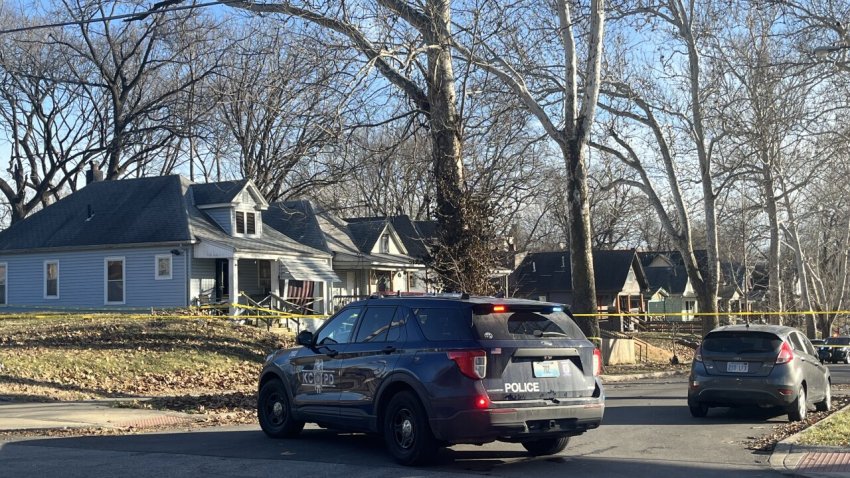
[{"x": 128, "y": 17}]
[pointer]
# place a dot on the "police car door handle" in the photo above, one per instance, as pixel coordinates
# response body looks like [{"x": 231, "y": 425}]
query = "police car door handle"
[{"x": 389, "y": 349}]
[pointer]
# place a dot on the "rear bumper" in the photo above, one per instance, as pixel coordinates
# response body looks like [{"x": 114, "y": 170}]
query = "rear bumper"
[
  {"x": 507, "y": 423},
  {"x": 725, "y": 391}
]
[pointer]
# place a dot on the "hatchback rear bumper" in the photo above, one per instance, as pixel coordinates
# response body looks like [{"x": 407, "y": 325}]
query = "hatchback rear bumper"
[
  {"x": 731, "y": 391},
  {"x": 515, "y": 424}
]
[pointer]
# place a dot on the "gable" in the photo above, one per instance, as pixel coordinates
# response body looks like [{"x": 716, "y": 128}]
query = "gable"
[{"x": 388, "y": 242}]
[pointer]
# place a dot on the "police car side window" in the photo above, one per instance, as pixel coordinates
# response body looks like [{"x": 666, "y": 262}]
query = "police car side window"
[
  {"x": 339, "y": 330},
  {"x": 374, "y": 325}
]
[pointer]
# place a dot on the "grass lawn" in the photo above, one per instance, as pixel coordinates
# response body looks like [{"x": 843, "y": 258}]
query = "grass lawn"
[
  {"x": 834, "y": 431},
  {"x": 71, "y": 358}
]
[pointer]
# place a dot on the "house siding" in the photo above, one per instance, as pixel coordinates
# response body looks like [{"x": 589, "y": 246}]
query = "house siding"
[
  {"x": 248, "y": 277},
  {"x": 223, "y": 217},
  {"x": 203, "y": 276},
  {"x": 81, "y": 279}
]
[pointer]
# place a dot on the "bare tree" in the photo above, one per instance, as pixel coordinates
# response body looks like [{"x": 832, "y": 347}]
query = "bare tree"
[
  {"x": 559, "y": 89},
  {"x": 137, "y": 69},
  {"x": 45, "y": 119},
  {"x": 414, "y": 55}
]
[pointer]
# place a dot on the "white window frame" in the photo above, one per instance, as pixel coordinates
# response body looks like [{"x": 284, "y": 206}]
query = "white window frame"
[
  {"x": 44, "y": 271},
  {"x": 156, "y": 275},
  {"x": 384, "y": 246},
  {"x": 106, "y": 261},
  {"x": 5, "y": 277},
  {"x": 236, "y": 215}
]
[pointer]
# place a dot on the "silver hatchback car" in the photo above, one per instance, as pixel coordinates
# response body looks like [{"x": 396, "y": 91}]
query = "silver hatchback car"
[{"x": 764, "y": 365}]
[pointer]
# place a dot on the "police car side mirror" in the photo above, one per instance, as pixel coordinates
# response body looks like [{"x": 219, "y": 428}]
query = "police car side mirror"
[{"x": 305, "y": 338}]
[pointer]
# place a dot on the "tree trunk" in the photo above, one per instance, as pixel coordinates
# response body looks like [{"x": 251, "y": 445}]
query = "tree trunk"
[
  {"x": 774, "y": 290},
  {"x": 581, "y": 257}
]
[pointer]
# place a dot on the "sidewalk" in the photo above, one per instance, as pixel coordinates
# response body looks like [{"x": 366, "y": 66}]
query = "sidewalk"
[
  {"x": 27, "y": 416},
  {"x": 627, "y": 377},
  {"x": 792, "y": 458}
]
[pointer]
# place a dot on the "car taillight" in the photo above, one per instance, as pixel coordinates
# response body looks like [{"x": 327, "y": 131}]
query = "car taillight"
[
  {"x": 698, "y": 354},
  {"x": 482, "y": 402},
  {"x": 597, "y": 362},
  {"x": 785, "y": 354},
  {"x": 472, "y": 363}
]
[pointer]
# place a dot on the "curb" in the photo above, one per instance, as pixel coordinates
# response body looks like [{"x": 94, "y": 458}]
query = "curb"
[
  {"x": 637, "y": 376},
  {"x": 788, "y": 454}
]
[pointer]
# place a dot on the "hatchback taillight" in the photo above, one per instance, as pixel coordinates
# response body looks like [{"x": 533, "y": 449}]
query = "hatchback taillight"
[
  {"x": 597, "y": 362},
  {"x": 472, "y": 363},
  {"x": 785, "y": 354}
]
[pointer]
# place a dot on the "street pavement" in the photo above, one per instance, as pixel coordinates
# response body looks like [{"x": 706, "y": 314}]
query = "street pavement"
[{"x": 789, "y": 457}]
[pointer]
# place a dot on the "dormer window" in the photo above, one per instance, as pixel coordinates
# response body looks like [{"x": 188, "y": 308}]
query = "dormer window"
[{"x": 246, "y": 223}]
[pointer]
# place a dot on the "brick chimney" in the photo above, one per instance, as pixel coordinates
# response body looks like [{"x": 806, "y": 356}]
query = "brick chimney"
[{"x": 94, "y": 173}]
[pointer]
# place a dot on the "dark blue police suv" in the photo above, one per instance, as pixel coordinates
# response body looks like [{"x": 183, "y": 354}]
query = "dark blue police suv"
[{"x": 432, "y": 371}]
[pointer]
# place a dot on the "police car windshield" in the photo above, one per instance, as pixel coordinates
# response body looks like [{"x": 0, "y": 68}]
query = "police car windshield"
[
  {"x": 525, "y": 325},
  {"x": 837, "y": 341}
]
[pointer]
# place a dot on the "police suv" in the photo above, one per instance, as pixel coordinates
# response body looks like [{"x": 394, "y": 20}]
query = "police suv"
[{"x": 432, "y": 371}]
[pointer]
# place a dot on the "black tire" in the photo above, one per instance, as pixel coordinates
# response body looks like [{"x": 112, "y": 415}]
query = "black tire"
[
  {"x": 798, "y": 409},
  {"x": 698, "y": 410},
  {"x": 546, "y": 446},
  {"x": 825, "y": 405},
  {"x": 275, "y": 412},
  {"x": 407, "y": 434}
]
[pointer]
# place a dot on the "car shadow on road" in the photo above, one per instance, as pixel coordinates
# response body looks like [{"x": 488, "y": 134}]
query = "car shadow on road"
[
  {"x": 680, "y": 415},
  {"x": 365, "y": 453}
]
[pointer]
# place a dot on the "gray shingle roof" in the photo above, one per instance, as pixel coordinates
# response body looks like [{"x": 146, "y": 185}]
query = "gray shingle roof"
[
  {"x": 297, "y": 219},
  {"x": 414, "y": 240},
  {"x": 217, "y": 193},
  {"x": 550, "y": 271},
  {"x": 672, "y": 279},
  {"x": 366, "y": 233},
  {"x": 139, "y": 211},
  {"x": 130, "y": 211}
]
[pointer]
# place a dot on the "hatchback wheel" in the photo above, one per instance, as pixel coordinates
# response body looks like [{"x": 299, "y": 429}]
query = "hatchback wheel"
[
  {"x": 275, "y": 412},
  {"x": 797, "y": 410},
  {"x": 698, "y": 410},
  {"x": 546, "y": 446},
  {"x": 826, "y": 404},
  {"x": 407, "y": 433}
]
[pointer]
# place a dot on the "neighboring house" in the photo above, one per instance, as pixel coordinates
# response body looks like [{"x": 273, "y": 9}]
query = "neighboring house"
[
  {"x": 151, "y": 242},
  {"x": 370, "y": 255},
  {"x": 620, "y": 280},
  {"x": 677, "y": 301}
]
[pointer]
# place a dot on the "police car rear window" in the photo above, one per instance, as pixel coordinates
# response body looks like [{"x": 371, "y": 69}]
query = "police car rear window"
[
  {"x": 444, "y": 323},
  {"x": 837, "y": 341},
  {"x": 524, "y": 325}
]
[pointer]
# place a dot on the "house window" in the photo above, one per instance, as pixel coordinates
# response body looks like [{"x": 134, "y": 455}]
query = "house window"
[
  {"x": 385, "y": 244},
  {"x": 162, "y": 266},
  {"x": 51, "y": 279},
  {"x": 246, "y": 223},
  {"x": 3, "y": 268},
  {"x": 114, "y": 275},
  {"x": 250, "y": 223}
]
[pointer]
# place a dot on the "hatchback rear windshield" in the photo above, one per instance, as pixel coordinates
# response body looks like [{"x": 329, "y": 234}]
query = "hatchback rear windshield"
[
  {"x": 741, "y": 342},
  {"x": 837, "y": 341},
  {"x": 523, "y": 325}
]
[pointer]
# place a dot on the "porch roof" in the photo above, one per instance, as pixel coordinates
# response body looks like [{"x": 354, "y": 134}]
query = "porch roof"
[
  {"x": 307, "y": 268},
  {"x": 376, "y": 260}
]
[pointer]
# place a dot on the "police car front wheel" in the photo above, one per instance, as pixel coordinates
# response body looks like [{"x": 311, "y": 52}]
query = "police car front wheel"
[{"x": 275, "y": 412}]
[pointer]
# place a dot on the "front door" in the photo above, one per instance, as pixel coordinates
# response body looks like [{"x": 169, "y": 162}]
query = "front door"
[{"x": 222, "y": 280}]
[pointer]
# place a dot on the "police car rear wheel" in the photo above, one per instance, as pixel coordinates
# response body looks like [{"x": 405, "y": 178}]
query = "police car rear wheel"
[
  {"x": 546, "y": 446},
  {"x": 275, "y": 413},
  {"x": 407, "y": 434}
]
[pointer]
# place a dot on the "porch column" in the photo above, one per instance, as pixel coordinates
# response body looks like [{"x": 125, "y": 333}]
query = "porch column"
[
  {"x": 326, "y": 299},
  {"x": 234, "y": 284},
  {"x": 275, "y": 273}
]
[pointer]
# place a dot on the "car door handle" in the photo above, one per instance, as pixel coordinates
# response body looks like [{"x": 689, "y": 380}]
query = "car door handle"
[{"x": 389, "y": 349}]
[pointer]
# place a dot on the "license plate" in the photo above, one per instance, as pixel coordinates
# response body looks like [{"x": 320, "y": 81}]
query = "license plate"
[
  {"x": 737, "y": 367},
  {"x": 546, "y": 369}
]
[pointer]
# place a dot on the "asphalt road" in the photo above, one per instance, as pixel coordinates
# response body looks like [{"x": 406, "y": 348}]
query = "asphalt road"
[{"x": 647, "y": 432}]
